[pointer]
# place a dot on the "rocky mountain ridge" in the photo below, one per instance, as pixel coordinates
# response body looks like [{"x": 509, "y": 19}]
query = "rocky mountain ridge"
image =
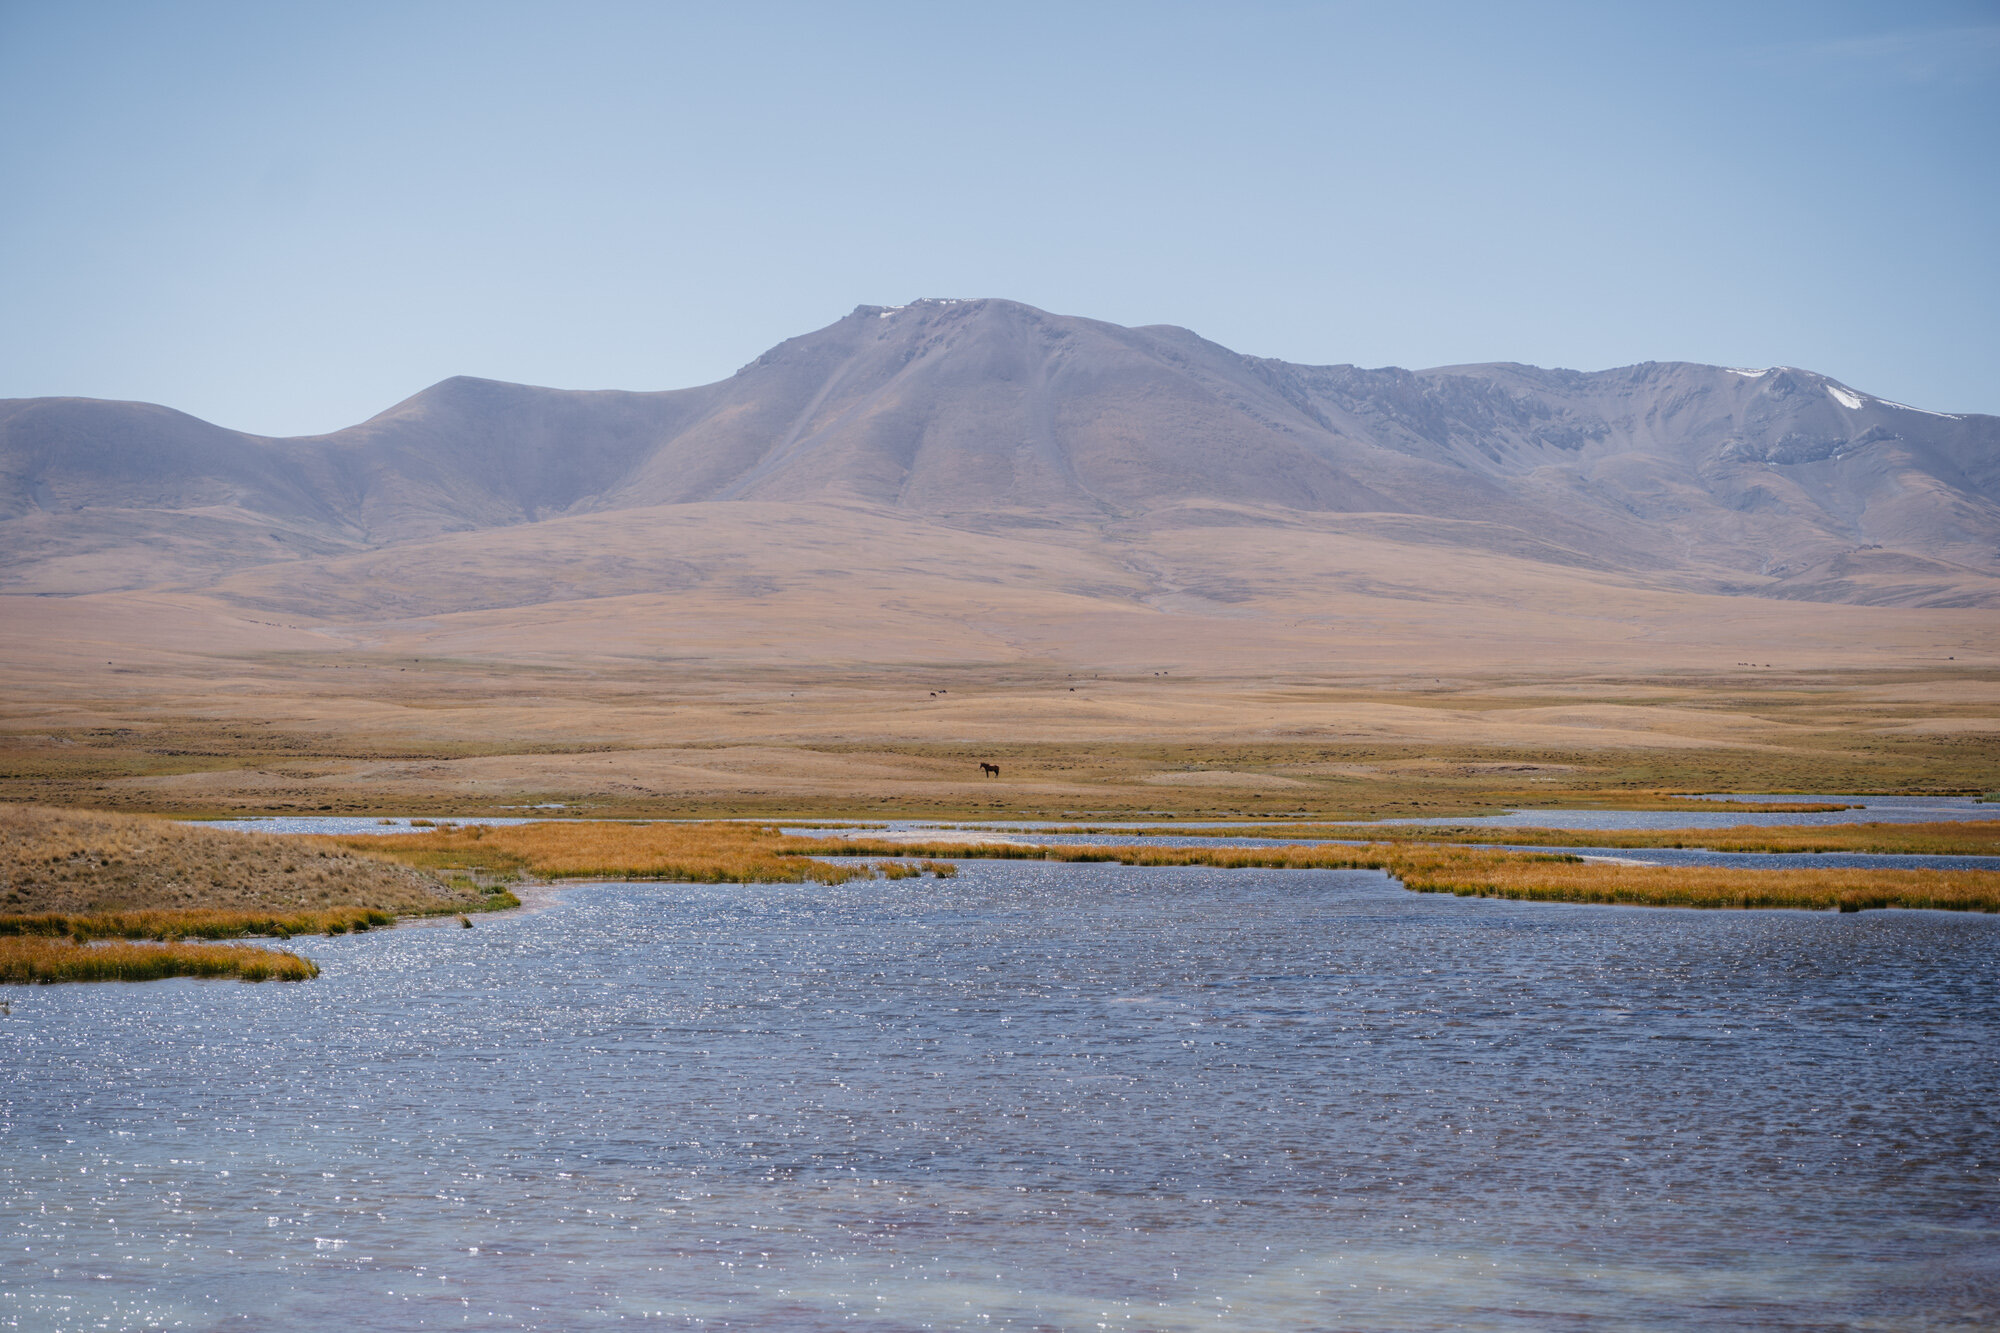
[{"x": 989, "y": 414}]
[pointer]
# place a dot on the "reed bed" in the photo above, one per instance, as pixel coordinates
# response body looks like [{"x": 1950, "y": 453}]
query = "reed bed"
[
  {"x": 34, "y": 960},
  {"x": 1946, "y": 838},
  {"x": 1551, "y": 877},
  {"x": 913, "y": 870},
  {"x": 204, "y": 925},
  {"x": 754, "y": 853},
  {"x": 1376, "y": 857},
  {"x": 1717, "y": 886},
  {"x": 706, "y": 853}
]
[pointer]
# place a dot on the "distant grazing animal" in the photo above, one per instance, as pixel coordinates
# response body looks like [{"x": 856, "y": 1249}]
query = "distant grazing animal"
[{"x": 990, "y": 770}]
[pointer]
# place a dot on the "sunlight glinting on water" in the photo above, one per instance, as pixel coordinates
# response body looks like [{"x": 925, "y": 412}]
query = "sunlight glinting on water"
[{"x": 1036, "y": 1096}]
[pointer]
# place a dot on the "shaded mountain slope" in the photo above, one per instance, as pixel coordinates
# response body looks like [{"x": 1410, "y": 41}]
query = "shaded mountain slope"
[{"x": 994, "y": 414}]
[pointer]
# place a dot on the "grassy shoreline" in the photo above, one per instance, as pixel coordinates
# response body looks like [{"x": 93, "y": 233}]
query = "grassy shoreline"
[
  {"x": 1945, "y": 838},
  {"x": 1555, "y": 877},
  {"x": 747, "y": 853},
  {"x": 711, "y": 852},
  {"x": 83, "y": 927},
  {"x": 39, "y": 961},
  {"x": 70, "y": 879}
]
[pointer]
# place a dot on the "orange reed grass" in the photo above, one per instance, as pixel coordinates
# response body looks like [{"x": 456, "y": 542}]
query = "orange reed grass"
[
  {"x": 195, "y": 924},
  {"x": 1486, "y": 872},
  {"x": 721, "y": 852},
  {"x": 714, "y": 852},
  {"x": 1946, "y": 838},
  {"x": 40, "y": 961}
]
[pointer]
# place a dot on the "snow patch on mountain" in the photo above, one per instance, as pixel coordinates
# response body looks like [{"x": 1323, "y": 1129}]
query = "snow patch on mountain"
[{"x": 1948, "y": 416}]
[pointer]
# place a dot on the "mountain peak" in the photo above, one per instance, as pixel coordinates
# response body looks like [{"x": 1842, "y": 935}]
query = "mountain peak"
[
  {"x": 925, "y": 304},
  {"x": 986, "y": 411}
]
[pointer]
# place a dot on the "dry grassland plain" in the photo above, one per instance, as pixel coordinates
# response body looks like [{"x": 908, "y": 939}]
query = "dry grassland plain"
[
  {"x": 762, "y": 659},
  {"x": 362, "y": 735}
]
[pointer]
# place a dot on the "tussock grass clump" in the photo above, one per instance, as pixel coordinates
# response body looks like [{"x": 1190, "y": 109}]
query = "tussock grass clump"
[
  {"x": 29, "y": 960},
  {"x": 1946, "y": 838},
  {"x": 915, "y": 870}
]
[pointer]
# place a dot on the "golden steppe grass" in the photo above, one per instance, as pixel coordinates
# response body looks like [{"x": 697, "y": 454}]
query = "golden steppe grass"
[
  {"x": 1492, "y": 873},
  {"x": 32, "y": 960},
  {"x": 1944, "y": 838},
  {"x": 87, "y": 861},
  {"x": 760, "y": 660},
  {"x": 363, "y": 734},
  {"x": 713, "y": 852},
  {"x": 734, "y": 852},
  {"x": 69, "y": 877},
  {"x": 194, "y": 923}
]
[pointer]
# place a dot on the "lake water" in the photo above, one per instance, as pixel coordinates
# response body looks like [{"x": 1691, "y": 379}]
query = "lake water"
[
  {"x": 1867, "y": 809},
  {"x": 1038, "y": 1096}
]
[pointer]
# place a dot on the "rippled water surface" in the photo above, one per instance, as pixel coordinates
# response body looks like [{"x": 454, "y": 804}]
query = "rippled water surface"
[
  {"x": 1864, "y": 810},
  {"x": 1037, "y": 1096}
]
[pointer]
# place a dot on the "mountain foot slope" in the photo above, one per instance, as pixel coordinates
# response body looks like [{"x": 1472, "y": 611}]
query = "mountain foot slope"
[{"x": 987, "y": 451}]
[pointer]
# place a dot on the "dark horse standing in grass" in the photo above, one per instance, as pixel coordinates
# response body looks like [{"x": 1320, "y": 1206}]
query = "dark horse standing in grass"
[{"x": 989, "y": 770}]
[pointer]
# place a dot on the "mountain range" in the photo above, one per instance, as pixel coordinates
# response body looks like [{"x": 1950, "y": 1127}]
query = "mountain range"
[{"x": 992, "y": 417}]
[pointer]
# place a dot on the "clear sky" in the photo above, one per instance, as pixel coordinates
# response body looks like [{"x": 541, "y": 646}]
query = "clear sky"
[{"x": 286, "y": 217}]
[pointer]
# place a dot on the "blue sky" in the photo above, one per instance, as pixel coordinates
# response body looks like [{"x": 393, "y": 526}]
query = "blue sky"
[{"x": 284, "y": 218}]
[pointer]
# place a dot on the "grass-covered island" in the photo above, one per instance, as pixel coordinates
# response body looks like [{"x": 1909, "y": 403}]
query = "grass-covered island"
[
  {"x": 88, "y": 896},
  {"x": 1959, "y": 837},
  {"x": 715, "y": 852}
]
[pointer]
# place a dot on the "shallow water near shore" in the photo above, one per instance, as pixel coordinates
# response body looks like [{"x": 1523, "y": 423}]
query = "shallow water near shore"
[
  {"x": 1865, "y": 810},
  {"x": 1036, "y": 1096}
]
